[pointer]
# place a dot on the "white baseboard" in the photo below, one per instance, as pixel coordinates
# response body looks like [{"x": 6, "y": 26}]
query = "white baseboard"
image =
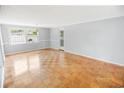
[{"x": 99, "y": 59}]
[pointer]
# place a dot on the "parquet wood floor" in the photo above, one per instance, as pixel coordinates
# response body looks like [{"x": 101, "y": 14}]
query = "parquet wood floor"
[{"x": 50, "y": 68}]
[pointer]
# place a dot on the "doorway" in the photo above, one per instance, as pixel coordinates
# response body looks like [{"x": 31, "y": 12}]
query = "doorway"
[{"x": 62, "y": 40}]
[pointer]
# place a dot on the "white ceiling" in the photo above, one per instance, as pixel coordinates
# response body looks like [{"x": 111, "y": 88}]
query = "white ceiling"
[{"x": 53, "y": 16}]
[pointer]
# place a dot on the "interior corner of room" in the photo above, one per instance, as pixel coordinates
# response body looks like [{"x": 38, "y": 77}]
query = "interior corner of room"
[{"x": 89, "y": 35}]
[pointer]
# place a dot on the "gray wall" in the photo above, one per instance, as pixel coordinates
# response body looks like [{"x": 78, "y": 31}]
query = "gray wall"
[
  {"x": 44, "y": 41},
  {"x": 100, "y": 39},
  {"x": 55, "y": 38}
]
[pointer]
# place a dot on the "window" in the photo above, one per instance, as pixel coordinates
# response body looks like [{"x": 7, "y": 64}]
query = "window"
[{"x": 23, "y": 35}]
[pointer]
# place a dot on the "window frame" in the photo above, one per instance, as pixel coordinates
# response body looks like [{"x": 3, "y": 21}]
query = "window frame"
[{"x": 25, "y": 33}]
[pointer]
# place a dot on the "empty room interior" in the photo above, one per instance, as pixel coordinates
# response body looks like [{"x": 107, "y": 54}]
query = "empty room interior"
[{"x": 54, "y": 46}]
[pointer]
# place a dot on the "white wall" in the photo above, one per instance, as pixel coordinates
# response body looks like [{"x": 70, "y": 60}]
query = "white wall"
[
  {"x": 100, "y": 39},
  {"x": 44, "y": 41},
  {"x": 1, "y": 60}
]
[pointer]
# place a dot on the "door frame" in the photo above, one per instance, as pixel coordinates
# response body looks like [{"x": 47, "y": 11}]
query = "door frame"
[{"x": 3, "y": 56}]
